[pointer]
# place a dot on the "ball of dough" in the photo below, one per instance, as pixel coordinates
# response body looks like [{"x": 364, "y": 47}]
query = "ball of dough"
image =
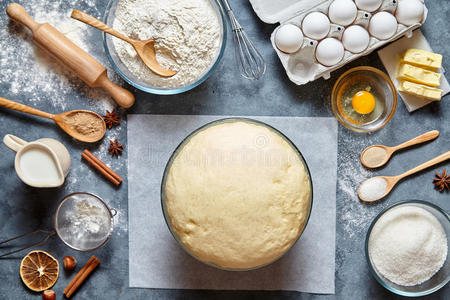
[{"x": 237, "y": 195}]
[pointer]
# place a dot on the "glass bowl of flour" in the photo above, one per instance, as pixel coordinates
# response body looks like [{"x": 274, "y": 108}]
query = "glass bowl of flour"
[
  {"x": 407, "y": 248},
  {"x": 189, "y": 38}
]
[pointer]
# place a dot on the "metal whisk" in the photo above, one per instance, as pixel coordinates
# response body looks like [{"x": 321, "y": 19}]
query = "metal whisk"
[{"x": 249, "y": 61}]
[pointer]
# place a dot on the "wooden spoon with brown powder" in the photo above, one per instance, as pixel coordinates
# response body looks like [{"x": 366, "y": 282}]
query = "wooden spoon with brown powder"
[
  {"x": 378, "y": 155},
  {"x": 83, "y": 125}
]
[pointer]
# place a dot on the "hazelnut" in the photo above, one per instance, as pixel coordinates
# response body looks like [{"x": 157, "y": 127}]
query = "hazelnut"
[
  {"x": 69, "y": 263},
  {"x": 48, "y": 295}
]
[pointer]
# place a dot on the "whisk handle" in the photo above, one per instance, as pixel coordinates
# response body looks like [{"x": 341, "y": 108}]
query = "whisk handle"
[
  {"x": 234, "y": 23},
  {"x": 227, "y": 5},
  {"x": 42, "y": 241}
]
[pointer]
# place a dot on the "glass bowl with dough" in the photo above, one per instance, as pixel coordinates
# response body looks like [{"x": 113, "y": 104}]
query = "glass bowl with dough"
[
  {"x": 189, "y": 38},
  {"x": 236, "y": 194}
]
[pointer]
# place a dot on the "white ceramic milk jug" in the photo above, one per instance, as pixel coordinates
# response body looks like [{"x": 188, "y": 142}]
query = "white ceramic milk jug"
[{"x": 43, "y": 163}]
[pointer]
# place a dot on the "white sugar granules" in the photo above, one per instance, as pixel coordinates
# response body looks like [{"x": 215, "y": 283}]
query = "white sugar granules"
[
  {"x": 408, "y": 245},
  {"x": 373, "y": 188},
  {"x": 186, "y": 34}
]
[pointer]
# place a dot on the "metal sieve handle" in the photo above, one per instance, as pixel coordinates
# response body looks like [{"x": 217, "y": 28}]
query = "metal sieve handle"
[
  {"x": 113, "y": 211},
  {"x": 42, "y": 241}
]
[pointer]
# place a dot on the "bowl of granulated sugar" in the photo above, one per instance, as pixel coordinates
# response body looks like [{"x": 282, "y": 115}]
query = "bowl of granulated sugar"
[{"x": 407, "y": 248}]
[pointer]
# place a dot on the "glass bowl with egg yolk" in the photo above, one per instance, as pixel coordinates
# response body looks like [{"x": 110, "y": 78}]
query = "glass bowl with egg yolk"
[{"x": 364, "y": 99}]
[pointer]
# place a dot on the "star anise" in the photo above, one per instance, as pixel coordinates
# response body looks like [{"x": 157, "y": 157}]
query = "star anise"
[
  {"x": 442, "y": 181},
  {"x": 111, "y": 118},
  {"x": 115, "y": 148}
]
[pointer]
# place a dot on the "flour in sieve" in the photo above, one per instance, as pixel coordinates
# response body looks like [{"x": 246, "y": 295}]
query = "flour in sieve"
[
  {"x": 87, "y": 220},
  {"x": 186, "y": 34}
]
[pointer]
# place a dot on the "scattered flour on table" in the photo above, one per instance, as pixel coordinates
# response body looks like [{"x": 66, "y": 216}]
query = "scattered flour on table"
[
  {"x": 354, "y": 215},
  {"x": 33, "y": 76},
  {"x": 186, "y": 34}
]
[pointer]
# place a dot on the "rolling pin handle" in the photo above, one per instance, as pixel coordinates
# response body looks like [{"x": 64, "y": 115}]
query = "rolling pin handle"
[
  {"x": 122, "y": 96},
  {"x": 18, "y": 13}
]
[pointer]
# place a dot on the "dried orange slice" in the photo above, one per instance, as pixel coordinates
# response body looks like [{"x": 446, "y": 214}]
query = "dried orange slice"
[{"x": 39, "y": 270}]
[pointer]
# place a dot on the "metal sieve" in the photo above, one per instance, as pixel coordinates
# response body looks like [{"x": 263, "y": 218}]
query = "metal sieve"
[{"x": 82, "y": 221}]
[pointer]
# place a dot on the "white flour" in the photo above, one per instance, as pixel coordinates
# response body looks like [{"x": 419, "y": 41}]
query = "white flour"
[
  {"x": 88, "y": 219},
  {"x": 186, "y": 33},
  {"x": 408, "y": 245},
  {"x": 32, "y": 76}
]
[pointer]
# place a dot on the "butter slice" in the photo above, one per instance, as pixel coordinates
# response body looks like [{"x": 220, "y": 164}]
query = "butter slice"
[
  {"x": 422, "y": 58},
  {"x": 420, "y": 90},
  {"x": 418, "y": 75}
]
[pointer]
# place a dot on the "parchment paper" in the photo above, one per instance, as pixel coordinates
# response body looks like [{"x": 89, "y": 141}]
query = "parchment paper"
[{"x": 157, "y": 261}]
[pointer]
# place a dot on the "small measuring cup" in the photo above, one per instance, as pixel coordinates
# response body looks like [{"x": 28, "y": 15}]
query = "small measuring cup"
[
  {"x": 58, "y": 153},
  {"x": 82, "y": 221}
]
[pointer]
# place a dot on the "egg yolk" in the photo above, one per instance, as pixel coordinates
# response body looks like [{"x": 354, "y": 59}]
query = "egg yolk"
[{"x": 363, "y": 102}]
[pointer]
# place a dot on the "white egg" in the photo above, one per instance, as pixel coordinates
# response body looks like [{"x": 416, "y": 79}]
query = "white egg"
[
  {"x": 368, "y": 5},
  {"x": 409, "y": 12},
  {"x": 355, "y": 39},
  {"x": 342, "y": 12},
  {"x": 289, "y": 38},
  {"x": 329, "y": 51},
  {"x": 316, "y": 25},
  {"x": 383, "y": 25}
]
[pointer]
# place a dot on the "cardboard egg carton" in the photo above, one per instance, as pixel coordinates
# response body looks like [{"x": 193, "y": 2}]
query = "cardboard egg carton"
[{"x": 302, "y": 66}]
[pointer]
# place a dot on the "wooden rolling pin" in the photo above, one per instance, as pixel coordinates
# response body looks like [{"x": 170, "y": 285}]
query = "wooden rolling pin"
[{"x": 70, "y": 55}]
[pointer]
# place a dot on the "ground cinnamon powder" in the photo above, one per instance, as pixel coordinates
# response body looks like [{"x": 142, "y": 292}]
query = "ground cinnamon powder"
[
  {"x": 84, "y": 123},
  {"x": 375, "y": 155}
]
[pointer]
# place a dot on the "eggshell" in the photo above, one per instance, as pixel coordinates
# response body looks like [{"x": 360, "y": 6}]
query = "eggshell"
[
  {"x": 409, "y": 12},
  {"x": 329, "y": 51},
  {"x": 289, "y": 38},
  {"x": 316, "y": 25},
  {"x": 355, "y": 39},
  {"x": 342, "y": 12},
  {"x": 383, "y": 25},
  {"x": 368, "y": 5}
]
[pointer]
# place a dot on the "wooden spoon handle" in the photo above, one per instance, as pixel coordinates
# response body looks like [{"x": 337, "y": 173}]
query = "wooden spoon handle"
[
  {"x": 431, "y": 162},
  {"x": 23, "y": 108},
  {"x": 19, "y": 14},
  {"x": 90, "y": 20},
  {"x": 428, "y": 136}
]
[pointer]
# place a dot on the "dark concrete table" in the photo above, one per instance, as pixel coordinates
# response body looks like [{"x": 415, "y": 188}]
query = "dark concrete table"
[{"x": 23, "y": 208}]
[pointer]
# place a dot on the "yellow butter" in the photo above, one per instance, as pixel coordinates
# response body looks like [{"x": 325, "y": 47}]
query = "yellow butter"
[
  {"x": 422, "y": 58},
  {"x": 420, "y": 90},
  {"x": 418, "y": 75}
]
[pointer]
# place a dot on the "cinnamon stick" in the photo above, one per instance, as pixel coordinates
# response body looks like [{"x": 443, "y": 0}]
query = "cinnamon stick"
[
  {"x": 76, "y": 282},
  {"x": 102, "y": 164},
  {"x": 101, "y": 167}
]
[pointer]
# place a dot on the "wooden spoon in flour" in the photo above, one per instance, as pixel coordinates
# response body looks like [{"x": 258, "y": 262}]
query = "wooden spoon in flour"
[
  {"x": 145, "y": 49},
  {"x": 83, "y": 125}
]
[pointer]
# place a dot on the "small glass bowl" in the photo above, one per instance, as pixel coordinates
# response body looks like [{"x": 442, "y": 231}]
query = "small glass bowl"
[
  {"x": 388, "y": 98},
  {"x": 180, "y": 147},
  {"x": 440, "y": 279},
  {"x": 120, "y": 68}
]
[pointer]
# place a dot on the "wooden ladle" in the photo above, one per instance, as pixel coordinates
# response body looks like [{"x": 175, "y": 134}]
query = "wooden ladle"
[
  {"x": 59, "y": 120},
  {"x": 384, "y": 152},
  {"x": 391, "y": 181},
  {"x": 145, "y": 49}
]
